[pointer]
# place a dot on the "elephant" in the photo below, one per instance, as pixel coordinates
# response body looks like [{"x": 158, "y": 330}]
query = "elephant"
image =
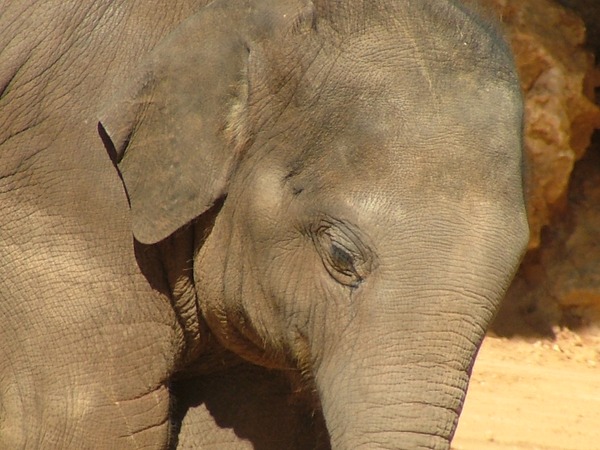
[{"x": 314, "y": 205}]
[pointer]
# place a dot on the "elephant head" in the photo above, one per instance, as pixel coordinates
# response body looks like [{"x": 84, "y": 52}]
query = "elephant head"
[{"x": 364, "y": 160}]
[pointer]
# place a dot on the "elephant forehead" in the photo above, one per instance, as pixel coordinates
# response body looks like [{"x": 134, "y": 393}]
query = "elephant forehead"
[
  {"x": 381, "y": 94},
  {"x": 467, "y": 130},
  {"x": 378, "y": 146}
]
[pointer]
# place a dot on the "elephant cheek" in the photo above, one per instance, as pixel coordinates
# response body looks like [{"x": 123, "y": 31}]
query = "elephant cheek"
[{"x": 229, "y": 301}]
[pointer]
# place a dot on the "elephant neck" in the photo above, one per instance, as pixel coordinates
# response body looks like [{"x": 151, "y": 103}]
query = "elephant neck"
[{"x": 168, "y": 267}]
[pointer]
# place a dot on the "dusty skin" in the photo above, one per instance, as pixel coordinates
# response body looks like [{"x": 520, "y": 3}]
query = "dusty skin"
[{"x": 535, "y": 395}]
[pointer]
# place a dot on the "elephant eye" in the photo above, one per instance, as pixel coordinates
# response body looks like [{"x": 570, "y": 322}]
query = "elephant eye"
[
  {"x": 342, "y": 254},
  {"x": 342, "y": 259}
]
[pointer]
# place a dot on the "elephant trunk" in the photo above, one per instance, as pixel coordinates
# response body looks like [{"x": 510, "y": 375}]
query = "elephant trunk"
[
  {"x": 410, "y": 407},
  {"x": 403, "y": 390}
]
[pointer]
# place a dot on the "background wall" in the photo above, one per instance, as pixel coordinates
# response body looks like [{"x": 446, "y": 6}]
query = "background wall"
[
  {"x": 555, "y": 43},
  {"x": 536, "y": 381}
]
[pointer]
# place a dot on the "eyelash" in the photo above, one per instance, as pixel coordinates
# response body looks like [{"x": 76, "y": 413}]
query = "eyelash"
[{"x": 343, "y": 263}]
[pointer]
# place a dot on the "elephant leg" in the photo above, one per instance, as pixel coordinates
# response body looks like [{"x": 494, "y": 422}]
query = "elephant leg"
[
  {"x": 71, "y": 379},
  {"x": 86, "y": 344},
  {"x": 246, "y": 407}
]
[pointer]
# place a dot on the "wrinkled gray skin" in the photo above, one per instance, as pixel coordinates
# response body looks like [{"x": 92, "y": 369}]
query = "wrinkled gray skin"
[{"x": 330, "y": 188}]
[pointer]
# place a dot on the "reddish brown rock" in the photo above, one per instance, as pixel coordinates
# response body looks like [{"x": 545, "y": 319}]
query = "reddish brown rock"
[
  {"x": 589, "y": 11},
  {"x": 575, "y": 271},
  {"x": 556, "y": 76},
  {"x": 559, "y": 283}
]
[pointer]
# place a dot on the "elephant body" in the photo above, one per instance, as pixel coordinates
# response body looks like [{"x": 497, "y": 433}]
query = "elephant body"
[{"x": 329, "y": 190}]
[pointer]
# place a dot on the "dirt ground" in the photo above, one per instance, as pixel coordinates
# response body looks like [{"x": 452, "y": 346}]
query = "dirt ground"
[{"x": 537, "y": 394}]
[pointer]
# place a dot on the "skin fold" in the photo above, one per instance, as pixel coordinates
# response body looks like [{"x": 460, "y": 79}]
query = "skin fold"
[{"x": 250, "y": 223}]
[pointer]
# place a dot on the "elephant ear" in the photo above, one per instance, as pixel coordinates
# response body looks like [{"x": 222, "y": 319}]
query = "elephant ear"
[{"x": 168, "y": 126}]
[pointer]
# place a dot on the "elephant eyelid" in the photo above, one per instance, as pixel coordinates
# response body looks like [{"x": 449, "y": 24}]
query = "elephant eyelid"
[{"x": 344, "y": 255}]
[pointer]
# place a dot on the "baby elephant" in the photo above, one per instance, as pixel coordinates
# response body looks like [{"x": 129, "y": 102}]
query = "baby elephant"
[{"x": 330, "y": 189}]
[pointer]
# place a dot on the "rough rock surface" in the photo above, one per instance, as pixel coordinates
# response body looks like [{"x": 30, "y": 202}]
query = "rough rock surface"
[
  {"x": 589, "y": 11},
  {"x": 559, "y": 281},
  {"x": 557, "y": 79}
]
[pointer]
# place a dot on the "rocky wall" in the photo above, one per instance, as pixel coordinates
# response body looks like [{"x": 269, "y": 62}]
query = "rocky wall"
[{"x": 559, "y": 281}]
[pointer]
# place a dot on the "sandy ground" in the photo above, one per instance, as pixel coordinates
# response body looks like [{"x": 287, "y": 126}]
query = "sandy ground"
[{"x": 535, "y": 395}]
